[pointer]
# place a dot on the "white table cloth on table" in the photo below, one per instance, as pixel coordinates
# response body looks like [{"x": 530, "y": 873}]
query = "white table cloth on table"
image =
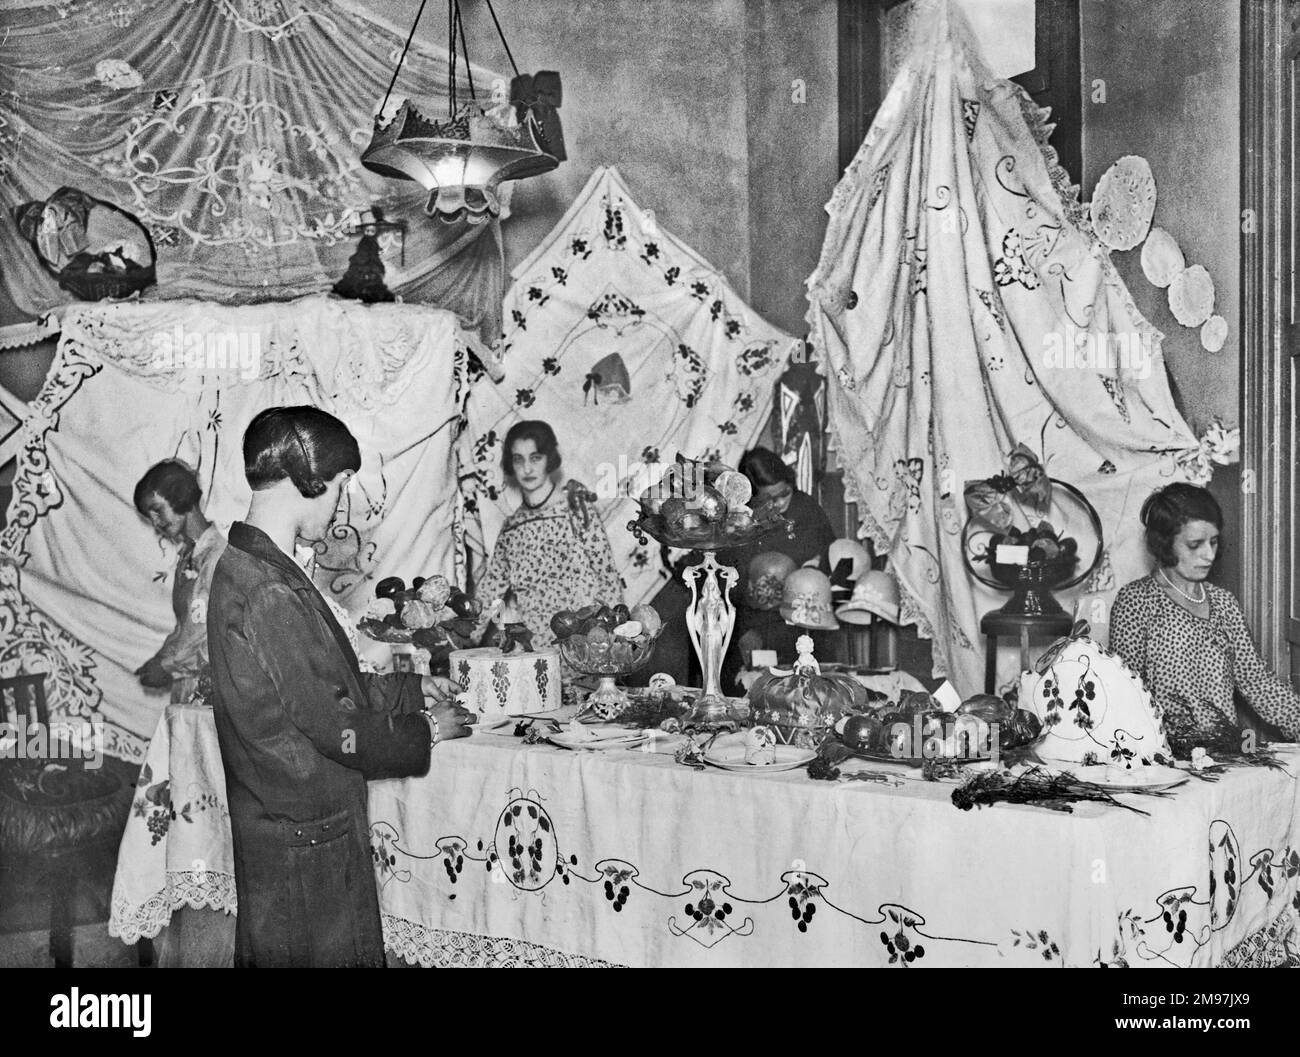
[
  {"x": 510, "y": 853},
  {"x": 176, "y": 850}
]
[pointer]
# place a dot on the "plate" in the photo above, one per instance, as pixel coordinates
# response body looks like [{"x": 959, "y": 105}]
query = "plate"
[
  {"x": 731, "y": 757},
  {"x": 1120, "y": 780},
  {"x": 609, "y": 738}
]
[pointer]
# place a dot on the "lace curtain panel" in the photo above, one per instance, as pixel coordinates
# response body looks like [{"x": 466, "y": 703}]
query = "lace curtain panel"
[
  {"x": 633, "y": 348},
  {"x": 85, "y": 585},
  {"x": 232, "y": 129},
  {"x": 963, "y": 305}
]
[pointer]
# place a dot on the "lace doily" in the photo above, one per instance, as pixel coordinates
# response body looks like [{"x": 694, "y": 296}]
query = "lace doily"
[
  {"x": 201, "y": 890},
  {"x": 464, "y": 950}
]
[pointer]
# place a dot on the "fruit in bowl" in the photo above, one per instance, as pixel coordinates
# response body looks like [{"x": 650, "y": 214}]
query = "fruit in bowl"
[{"x": 710, "y": 505}]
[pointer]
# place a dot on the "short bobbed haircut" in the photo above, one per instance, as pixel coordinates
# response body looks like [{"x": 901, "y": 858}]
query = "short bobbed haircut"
[
  {"x": 304, "y": 444},
  {"x": 171, "y": 480},
  {"x": 1166, "y": 512},
  {"x": 764, "y": 468},
  {"x": 543, "y": 438}
]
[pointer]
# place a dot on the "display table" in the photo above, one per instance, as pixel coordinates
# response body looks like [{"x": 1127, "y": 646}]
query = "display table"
[
  {"x": 515, "y": 854},
  {"x": 630, "y": 858},
  {"x": 176, "y": 851}
]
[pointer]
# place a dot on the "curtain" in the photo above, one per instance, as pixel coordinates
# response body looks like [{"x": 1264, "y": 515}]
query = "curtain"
[
  {"x": 233, "y": 130},
  {"x": 633, "y": 348},
  {"x": 85, "y": 585},
  {"x": 963, "y": 305}
]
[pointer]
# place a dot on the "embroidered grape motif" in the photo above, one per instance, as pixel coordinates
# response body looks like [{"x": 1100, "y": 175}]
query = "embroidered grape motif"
[
  {"x": 1177, "y": 929},
  {"x": 1084, "y": 692},
  {"x": 539, "y": 666},
  {"x": 899, "y": 946},
  {"x": 1052, "y": 695},
  {"x": 803, "y": 915},
  {"x": 619, "y": 897},
  {"x": 463, "y": 668},
  {"x": 501, "y": 681}
]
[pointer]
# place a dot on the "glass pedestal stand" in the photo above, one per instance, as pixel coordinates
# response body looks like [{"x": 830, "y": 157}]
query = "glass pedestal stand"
[{"x": 710, "y": 619}]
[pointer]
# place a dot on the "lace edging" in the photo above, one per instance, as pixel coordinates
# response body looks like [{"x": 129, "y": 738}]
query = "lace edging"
[
  {"x": 465, "y": 950},
  {"x": 200, "y": 890}
]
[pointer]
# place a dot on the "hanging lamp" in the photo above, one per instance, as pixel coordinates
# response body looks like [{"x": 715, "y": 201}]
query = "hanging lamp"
[{"x": 462, "y": 161}]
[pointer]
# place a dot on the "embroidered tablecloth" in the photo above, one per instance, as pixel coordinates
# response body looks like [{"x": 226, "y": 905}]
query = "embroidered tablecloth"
[
  {"x": 176, "y": 850},
  {"x": 513, "y": 852}
]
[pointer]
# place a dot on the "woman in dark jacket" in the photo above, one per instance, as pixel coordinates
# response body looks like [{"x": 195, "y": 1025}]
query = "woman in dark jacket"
[
  {"x": 773, "y": 482},
  {"x": 301, "y": 728}
]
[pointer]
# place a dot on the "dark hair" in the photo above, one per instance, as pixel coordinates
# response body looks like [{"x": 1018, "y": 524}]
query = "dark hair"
[
  {"x": 1166, "y": 512},
  {"x": 305, "y": 444},
  {"x": 543, "y": 438},
  {"x": 764, "y": 468},
  {"x": 173, "y": 481}
]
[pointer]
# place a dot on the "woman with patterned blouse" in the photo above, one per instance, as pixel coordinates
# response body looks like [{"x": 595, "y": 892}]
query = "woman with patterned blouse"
[
  {"x": 553, "y": 552},
  {"x": 1188, "y": 638}
]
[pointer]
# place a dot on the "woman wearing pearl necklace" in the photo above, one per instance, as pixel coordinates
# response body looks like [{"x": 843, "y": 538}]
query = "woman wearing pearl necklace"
[{"x": 1187, "y": 637}]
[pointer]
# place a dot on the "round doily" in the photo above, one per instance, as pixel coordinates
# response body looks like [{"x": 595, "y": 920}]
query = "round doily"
[
  {"x": 1162, "y": 258},
  {"x": 1123, "y": 203},
  {"x": 1191, "y": 296},
  {"x": 1214, "y": 332}
]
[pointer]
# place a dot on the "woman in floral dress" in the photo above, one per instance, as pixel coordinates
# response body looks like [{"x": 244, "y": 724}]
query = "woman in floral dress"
[
  {"x": 553, "y": 552},
  {"x": 1188, "y": 638}
]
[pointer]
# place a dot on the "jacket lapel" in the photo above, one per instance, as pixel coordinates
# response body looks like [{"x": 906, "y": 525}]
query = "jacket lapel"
[{"x": 258, "y": 544}]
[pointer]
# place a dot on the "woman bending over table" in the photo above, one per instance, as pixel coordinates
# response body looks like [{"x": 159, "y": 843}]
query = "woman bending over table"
[
  {"x": 1185, "y": 636},
  {"x": 553, "y": 552}
]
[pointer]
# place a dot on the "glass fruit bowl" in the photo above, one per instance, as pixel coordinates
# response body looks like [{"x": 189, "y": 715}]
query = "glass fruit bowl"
[
  {"x": 701, "y": 535},
  {"x": 607, "y": 660}
]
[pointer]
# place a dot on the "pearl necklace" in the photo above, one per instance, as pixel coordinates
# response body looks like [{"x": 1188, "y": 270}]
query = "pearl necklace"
[{"x": 1194, "y": 601}]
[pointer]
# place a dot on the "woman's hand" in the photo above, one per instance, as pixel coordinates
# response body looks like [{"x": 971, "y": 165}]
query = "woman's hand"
[
  {"x": 454, "y": 721},
  {"x": 438, "y": 688}
]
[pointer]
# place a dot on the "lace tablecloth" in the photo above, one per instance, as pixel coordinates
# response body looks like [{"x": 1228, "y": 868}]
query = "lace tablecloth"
[{"x": 176, "y": 850}]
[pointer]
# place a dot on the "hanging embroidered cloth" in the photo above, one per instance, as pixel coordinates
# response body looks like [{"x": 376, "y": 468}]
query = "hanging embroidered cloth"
[
  {"x": 232, "y": 129},
  {"x": 85, "y": 585},
  {"x": 633, "y": 348},
  {"x": 962, "y": 304}
]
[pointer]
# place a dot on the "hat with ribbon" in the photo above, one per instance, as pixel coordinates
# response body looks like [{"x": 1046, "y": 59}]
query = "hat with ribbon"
[
  {"x": 875, "y": 594},
  {"x": 806, "y": 600}
]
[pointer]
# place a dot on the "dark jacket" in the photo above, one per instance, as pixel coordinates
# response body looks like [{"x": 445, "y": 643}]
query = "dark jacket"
[{"x": 301, "y": 729}]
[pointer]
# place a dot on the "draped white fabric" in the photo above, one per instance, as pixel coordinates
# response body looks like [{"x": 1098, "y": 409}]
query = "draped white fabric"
[
  {"x": 84, "y": 583},
  {"x": 633, "y": 348},
  {"x": 962, "y": 304},
  {"x": 233, "y": 130}
]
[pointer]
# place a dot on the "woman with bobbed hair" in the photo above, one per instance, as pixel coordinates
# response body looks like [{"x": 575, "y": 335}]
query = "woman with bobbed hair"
[
  {"x": 168, "y": 497},
  {"x": 301, "y": 727},
  {"x": 553, "y": 552},
  {"x": 1185, "y": 636}
]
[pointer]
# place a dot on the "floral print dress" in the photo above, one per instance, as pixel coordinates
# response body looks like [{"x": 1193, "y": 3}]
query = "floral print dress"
[
  {"x": 554, "y": 557},
  {"x": 1191, "y": 665}
]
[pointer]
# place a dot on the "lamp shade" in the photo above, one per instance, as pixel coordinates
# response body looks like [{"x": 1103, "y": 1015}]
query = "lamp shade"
[{"x": 460, "y": 162}]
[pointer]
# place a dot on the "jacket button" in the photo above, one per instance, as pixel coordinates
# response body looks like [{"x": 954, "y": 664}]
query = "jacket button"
[
  {"x": 312, "y": 842},
  {"x": 325, "y": 828},
  {"x": 297, "y": 833}
]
